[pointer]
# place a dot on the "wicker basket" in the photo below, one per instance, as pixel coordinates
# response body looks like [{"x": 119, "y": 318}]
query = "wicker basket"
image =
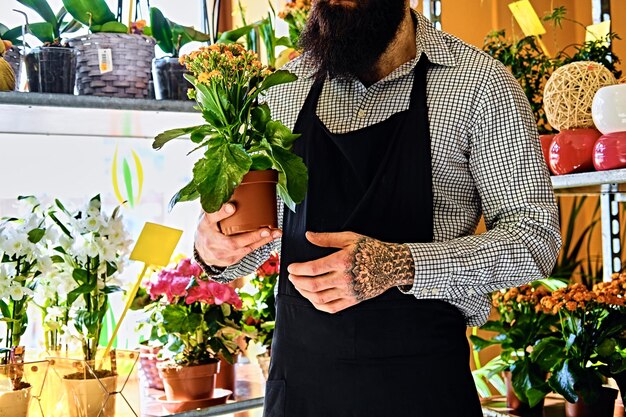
[
  {"x": 14, "y": 58},
  {"x": 131, "y": 55}
]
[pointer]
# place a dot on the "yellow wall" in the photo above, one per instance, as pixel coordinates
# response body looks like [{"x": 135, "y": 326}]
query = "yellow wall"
[{"x": 472, "y": 20}]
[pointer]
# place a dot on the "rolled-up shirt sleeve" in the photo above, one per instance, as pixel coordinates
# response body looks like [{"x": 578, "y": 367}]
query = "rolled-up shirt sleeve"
[{"x": 523, "y": 238}]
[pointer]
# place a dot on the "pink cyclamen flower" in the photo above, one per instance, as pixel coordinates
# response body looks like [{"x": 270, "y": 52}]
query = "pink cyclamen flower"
[{"x": 188, "y": 268}]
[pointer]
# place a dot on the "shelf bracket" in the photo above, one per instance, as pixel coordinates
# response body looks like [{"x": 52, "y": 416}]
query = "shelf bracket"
[{"x": 611, "y": 245}]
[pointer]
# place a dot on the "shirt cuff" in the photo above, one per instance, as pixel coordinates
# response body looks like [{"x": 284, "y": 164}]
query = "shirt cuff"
[{"x": 434, "y": 268}]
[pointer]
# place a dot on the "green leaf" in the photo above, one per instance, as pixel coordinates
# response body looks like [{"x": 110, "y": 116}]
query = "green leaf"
[
  {"x": 13, "y": 34},
  {"x": 279, "y": 134},
  {"x": 78, "y": 291},
  {"x": 260, "y": 162},
  {"x": 42, "y": 8},
  {"x": 260, "y": 116},
  {"x": 547, "y": 353},
  {"x": 187, "y": 193},
  {"x": 89, "y": 12},
  {"x": 70, "y": 27},
  {"x": 35, "y": 235},
  {"x": 292, "y": 177},
  {"x": 110, "y": 289},
  {"x": 110, "y": 27},
  {"x": 493, "y": 326},
  {"x": 198, "y": 135},
  {"x": 162, "y": 138},
  {"x": 3, "y": 29},
  {"x": 4, "y": 309},
  {"x": 162, "y": 31},
  {"x": 563, "y": 379},
  {"x": 57, "y": 259},
  {"x": 43, "y": 31},
  {"x": 80, "y": 275},
  {"x": 480, "y": 343},
  {"x": 235, "y": 34},
  {"x": 217, "y": 175},
  {"x": 277, "y": 78},
  {"x": 528, "y": 382}
]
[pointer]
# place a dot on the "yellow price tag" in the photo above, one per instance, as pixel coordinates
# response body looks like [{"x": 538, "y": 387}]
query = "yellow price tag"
[
  {"x": 155, "y": 244},
  {"x": 526, "y": 17},
  {"x": 598, "y": 32}
]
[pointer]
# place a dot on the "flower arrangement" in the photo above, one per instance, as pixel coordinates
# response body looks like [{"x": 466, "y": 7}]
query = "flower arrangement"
[
  {"x": 259, "y": 311},
  {"x": 93, "y": 251},
  {"x": 197, "y": 320},
  {"x": 591, "y": 344},
  {"x": 239, "y": 135},
  {"x": 296, "y": 14},
  {"x": 23, "y": 259},
  {"x": 520, "y": 325}
]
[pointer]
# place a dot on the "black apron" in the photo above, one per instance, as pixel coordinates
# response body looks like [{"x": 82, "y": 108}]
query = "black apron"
[{"x": 393, "y": 355}]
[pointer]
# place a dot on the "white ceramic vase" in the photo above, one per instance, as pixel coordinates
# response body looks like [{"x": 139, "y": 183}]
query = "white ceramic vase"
[
  {"x": 609, "y": 109},
  {"x": 86, "y": 397},
  {"x": 15, "y": 403}
]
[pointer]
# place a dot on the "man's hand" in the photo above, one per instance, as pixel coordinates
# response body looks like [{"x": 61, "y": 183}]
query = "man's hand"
[
  {"x": 362, "y": 269},
  {"x": 217, "y": 249}
]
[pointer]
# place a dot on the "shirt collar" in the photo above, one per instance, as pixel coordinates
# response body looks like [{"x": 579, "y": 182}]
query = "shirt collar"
[{"x": 428, "y": 41}]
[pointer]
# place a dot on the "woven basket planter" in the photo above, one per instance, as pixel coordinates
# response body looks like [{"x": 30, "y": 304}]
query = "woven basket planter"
[
  {"x": 14, "y": 58},
  {"x": 131, "y": 56}
]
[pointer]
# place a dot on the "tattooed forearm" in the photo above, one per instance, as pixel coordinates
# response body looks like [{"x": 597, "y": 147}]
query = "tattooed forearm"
[{"x": 377, "y": 266}]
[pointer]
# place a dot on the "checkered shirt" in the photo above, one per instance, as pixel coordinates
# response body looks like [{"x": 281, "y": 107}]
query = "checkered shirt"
[{"x": 486, "y": 159}]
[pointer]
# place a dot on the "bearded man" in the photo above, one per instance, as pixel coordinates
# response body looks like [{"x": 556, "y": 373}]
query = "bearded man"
[{"x": 409, "y": 135}]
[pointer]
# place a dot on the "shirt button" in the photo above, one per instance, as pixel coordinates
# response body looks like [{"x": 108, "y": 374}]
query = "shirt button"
[
  {"x": 434, "y": 291},
  {"x": 471, "y": 292},
  {"x": 361, "y": 114},
  {"x": 425, "y": 291}
]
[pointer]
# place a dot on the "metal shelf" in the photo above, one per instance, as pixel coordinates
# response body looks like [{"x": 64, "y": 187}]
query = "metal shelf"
[{"x": 588, "y": 179}]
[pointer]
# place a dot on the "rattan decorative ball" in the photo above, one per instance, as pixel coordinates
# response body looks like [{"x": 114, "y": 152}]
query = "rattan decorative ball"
[{"x": 569, "y": 93}]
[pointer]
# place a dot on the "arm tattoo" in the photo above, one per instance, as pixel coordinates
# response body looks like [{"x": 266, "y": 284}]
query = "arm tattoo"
[{"x": 377, "y": 266}]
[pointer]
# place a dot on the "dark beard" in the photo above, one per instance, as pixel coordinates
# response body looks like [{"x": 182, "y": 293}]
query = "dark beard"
[{"x": 345, "y": 41}]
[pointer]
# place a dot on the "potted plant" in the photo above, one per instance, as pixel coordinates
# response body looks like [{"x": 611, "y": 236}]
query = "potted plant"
[
  {"x": 50, "y": 68},
  {"x": 95, "y": 251},
  {"x": 532, "y": 67},
  {"x": 238, "y": 139},
  {"x": 23, "y": 258},
  {"x": 112, "y": 61},
  {"x": 519, "y": 326},
  {"x": 259, "y": 310},
  {"x": 197, "y": 321},
  {"x": 7, "y": 74},
  {"x": 296, "y": 14},
  {"x": 589, "y": 348},
  {"x": 169, "y": 83}
]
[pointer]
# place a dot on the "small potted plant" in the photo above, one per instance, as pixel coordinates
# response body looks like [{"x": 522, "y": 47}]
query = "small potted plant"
[
  {"x": 23, "y": 258},
  {"x": 519, "y": 326},
  {"x": 589, "y": 347},
  {"x": 113, "y": 59},
  {"x": 197, "y": 320},
  {"x": 296, "y": 14},
  {"x": 259, "y": 310},
  {"x": 94, "y": 251},
  {"x": 240, "y": 142},
  {"x": 169, "y": 83},
  {"x": 50, "y": 68}
]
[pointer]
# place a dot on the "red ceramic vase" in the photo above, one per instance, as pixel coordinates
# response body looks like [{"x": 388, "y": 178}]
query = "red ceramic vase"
[
  {"x": 609, "y": 151},
  {"x": 546, "y": 142},
  {"x": 571, "y": 151}
]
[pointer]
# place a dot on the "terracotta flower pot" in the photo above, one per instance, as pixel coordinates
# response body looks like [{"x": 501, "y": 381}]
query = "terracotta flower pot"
[
  {"x": 609, "y": 151},
  {"x": 185, "y": 383},
  {"x": 546, "y": 142},
  {"x": 226, "y": 376},
  {"x": 604, "y": 407},
  {"x": 516, "y": 405},
  {"x": 255, "y": 200},
  {"x": 571, "y": 151}
]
